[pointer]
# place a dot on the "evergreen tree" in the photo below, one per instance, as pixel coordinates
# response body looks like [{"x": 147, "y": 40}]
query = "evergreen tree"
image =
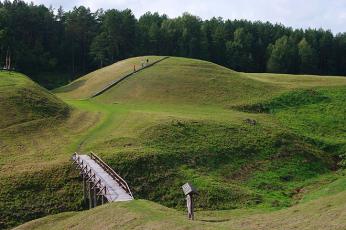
[
  {"x": 283, "y": 56},
  {"x": 80, "y": 29},
  {"x": 239, "y": 51},
  {"x": 308, "y": 60},
  {"x": 99, "y": 49},
  {"x": 79, "y": 41},
  {"x": 340, "y": 51}
]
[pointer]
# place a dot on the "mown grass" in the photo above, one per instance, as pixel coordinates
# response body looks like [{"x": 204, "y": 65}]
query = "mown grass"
[
  {"x": 88, "y": 85},
  {"x": 179, "y": 121},
  {"x": 182, "y": 81}
]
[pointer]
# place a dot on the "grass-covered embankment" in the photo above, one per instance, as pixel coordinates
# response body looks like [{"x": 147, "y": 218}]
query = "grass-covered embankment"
[{"x": 38, "y": 132}]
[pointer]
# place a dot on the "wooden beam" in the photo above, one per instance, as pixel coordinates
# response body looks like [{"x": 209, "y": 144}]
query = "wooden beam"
[
  {"x": 95, "y": 197},
  {"x": 90, "y": 196},
  {"x": 85, "y": 189}
]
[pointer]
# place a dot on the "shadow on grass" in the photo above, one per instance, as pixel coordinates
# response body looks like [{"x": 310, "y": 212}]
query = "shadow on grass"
[{"x": 214, "y": 221}]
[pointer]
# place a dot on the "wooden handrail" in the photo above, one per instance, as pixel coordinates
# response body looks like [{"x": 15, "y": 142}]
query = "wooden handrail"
[
  {"x": 91, "y": 176},
  {"x": 122, "y": 183}
]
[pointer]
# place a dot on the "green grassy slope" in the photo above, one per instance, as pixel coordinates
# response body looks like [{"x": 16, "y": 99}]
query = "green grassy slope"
[
  {"x": 21, "y": 100},
  {"x": 187, "y": 81},
  {"x": 38, "y": 132},
  {"x": 180, "y": 119},
  {"x": 129, "y": 215},
  {"x": 186, "y": 120},
  {"x": 88, "y": 85},
  {"x": 325, "y": 212}
]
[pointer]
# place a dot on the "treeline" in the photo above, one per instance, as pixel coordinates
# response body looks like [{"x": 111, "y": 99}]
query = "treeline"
[{"x": 40, "y": 40}]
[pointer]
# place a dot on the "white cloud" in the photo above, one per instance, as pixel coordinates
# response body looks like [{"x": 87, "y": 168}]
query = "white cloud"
[{"x": 327, "y": 14}]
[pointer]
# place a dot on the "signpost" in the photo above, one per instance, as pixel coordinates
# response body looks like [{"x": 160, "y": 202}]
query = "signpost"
[{"x": 189, "y": 192}]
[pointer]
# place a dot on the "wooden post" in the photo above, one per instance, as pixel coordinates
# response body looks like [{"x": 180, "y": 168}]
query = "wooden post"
[
  {"x": 90, "y": 196},
  {"x": 189, "y": 191},
  {"x": 95, "y": 196},
  {"x": 189, "y": 204},
  {"x": 85, "y": 189}
]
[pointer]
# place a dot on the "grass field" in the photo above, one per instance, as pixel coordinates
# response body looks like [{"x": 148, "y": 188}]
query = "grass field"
[{"x": 180, "y": 120}]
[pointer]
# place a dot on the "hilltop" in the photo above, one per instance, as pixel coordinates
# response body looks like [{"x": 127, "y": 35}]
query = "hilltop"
[
  {"x": 88, "y": 85},
  {"x": 188, "y": 81},
  {"x": 242, "y": 139},
  {"x": 23, "y": 101}
]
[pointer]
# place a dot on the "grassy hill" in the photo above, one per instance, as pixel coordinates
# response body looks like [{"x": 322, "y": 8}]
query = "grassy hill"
[
  {"x": 21, "y": 100},
  {"x": 38, "y": 131},
  {"x": 259, "y": 141},
  {"x": 88, "y": 85},
  {"x": 186, "y": 119},
  {"x": 199, "y": 83}
]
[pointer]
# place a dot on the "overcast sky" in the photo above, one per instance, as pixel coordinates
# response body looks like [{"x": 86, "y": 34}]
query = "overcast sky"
[{"x": 326, "y": 14}]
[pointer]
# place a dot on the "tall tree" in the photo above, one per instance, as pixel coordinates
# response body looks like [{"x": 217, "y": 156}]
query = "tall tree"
[
  {"x": 149, "y": 33},
  {"x": 215, "y": 34},
  {"x": 190, "y": 43},
  {"x": 340, "y": 51},
  {"x": 170, "y": 34},
  {"x": 99, "y": 49},
  {"x": 239, "y": 51},
  {"x": 283, "y": 56},
  {"x": 326, "y": 55},
  {"x": 80, "y": 29},
  {"x": 308, "y": 57},
  {"x": 118, "y": 33}
]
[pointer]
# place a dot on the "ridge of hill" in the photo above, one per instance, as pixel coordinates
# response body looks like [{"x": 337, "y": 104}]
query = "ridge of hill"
[
  {"x": 90, "y": 84},
  {"x": 201, "y": 83},
  {"x": 188, "y": 81}
]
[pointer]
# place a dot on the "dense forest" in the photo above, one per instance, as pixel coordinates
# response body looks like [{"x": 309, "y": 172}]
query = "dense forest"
[{"x": 54, "y": 46}]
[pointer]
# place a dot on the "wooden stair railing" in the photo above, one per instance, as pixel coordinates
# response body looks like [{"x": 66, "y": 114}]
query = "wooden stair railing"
[{"x": 122, "y": 183}]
